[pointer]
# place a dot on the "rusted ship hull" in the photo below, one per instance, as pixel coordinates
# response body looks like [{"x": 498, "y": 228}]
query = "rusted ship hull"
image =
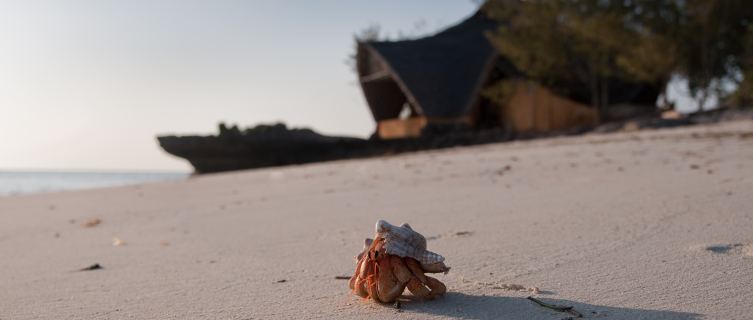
[{"x": 209, "y": 154}]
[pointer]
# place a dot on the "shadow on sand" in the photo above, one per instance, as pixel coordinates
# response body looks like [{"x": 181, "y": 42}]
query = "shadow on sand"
[{"x": 459, "y": 305}]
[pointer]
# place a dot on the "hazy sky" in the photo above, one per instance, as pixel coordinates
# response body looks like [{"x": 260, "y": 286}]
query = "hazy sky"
[{"x": 88, "y": 85}]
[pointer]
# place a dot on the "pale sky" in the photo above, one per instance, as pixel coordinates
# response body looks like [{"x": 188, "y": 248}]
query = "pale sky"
[{"x": 88, "y": 85}]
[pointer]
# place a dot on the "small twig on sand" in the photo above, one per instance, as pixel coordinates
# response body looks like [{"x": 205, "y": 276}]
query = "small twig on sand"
[
  {"x": 92, "y": 267},
  {"x": 342, "y": 278},
  {"x": 560, "y": 309}
]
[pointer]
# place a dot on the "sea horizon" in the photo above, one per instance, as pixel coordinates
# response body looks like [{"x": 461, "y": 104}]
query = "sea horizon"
[{"x": 35, "y": 181}]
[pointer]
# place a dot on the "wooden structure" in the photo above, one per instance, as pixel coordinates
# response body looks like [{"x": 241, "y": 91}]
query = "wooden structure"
[
  {"x": 534, "y": 108},
  {"x": 439, "y": 79},
  {"x": 400, "y": 128}
]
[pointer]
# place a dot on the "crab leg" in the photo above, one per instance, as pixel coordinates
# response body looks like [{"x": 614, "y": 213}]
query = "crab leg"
[
  {"x": 435, "y": 267},
  {"x": 400, "y": 270},
  {"x": 353, "y": 280},
  {"x": 361, "y": 289},
  {"x": 388, "y": 288},
  {"x": 365, "y": 270},
  {"x": 437, "y": 287},
  {"x": 418, "y": 289},
  {"x": 370, "y": 283},
  {"x": 416, "y": 269}
]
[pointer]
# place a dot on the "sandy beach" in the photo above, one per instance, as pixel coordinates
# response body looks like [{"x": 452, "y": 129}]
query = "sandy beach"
[{"x": 653, "y": 224}]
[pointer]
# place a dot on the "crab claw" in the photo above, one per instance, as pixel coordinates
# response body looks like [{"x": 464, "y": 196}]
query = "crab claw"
[
  {"x": 438, "y": 267},
  {"x": 432, "y": 289}
]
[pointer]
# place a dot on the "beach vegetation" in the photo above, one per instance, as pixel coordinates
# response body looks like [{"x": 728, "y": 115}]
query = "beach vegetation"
[{"x": 706, "y": 42}]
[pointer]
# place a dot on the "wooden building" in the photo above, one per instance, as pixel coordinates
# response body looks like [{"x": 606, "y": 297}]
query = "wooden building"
[{"x": 438, "y": 80}]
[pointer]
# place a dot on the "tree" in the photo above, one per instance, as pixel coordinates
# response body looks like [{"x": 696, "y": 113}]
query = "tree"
[
  {"x": 713, "y": 39},
  {"x": 654, "y": 54},
  {"x": 566, "y": 40},
  {"x": 743, "y": 95},
  {"x": 635, "y": 40}
]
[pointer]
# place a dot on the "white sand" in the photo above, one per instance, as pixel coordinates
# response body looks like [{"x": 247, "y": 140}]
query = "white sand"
[{"x": 643, "y": 225}]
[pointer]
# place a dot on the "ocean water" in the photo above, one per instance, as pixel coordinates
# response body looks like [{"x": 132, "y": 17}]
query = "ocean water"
[{"x": 28, "y": 182}]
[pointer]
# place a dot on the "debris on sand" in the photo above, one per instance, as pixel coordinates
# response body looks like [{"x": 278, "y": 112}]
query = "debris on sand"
[
  {"x": 517, "y": 287},
  {"x": 92, "y": 223},
  {"x": 557, "y": 308},
  {"x": 92, "y": 267}
]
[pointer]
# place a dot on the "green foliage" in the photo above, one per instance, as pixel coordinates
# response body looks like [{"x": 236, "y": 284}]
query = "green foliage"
[
  {"x": 537, "y": 45},
  {"x": 743, "y": 96},
  {"x": 714, "y": 43},
  {"x": 653, "y": 53},
  {"x": 571, "y": 40},
  {"x": 634, "y": 40}
]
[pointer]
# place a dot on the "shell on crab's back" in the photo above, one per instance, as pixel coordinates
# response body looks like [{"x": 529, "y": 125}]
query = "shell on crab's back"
[{"x": 404, "y": 242}]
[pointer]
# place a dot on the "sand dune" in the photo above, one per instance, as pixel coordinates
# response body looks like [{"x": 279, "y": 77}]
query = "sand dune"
[{"x": 655, "y": 224}]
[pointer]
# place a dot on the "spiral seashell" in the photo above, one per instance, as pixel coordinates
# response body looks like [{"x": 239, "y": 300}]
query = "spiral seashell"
[{"x": 404, "y": 242}]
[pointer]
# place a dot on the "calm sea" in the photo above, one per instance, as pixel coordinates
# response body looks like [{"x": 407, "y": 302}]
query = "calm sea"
[{"x": 26, "y": 182}]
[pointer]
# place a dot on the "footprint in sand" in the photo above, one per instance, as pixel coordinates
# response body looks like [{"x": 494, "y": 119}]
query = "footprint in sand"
[
  {"x": 458, "y": 234},
  {"x": 738, "y": 249}
]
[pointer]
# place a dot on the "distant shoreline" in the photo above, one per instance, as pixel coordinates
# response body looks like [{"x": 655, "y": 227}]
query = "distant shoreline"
[{"x": 14, "y": 183}]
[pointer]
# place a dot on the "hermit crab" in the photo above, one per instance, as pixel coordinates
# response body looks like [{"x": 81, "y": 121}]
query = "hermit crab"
[{"x": 394, "y": 260}]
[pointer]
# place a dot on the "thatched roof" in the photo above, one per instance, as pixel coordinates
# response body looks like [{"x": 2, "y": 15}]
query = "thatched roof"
[{"x": 439, "y": 75}]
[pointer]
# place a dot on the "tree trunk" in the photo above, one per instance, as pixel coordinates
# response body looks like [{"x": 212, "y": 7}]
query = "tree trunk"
[
  {"x": 593, "y": 83},
  {"x": 604, "y": 95},
  {"x": 703, "y": 97},
  {"x": 665, "y": 106}
]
